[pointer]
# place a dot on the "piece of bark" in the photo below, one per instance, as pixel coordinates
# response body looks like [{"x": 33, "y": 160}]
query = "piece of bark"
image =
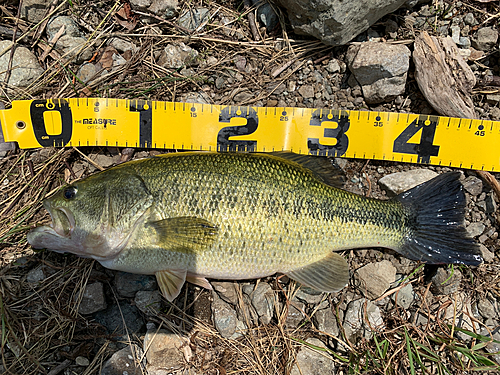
[{"x": 443, "y": 76}]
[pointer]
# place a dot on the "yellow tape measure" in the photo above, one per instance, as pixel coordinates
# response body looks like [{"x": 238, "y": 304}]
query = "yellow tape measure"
[{"x": 410, "y": 138}]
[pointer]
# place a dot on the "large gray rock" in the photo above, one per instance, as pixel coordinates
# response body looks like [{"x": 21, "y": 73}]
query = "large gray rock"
[
  {"x": 35, "y": 10},
  {"x": 380, "y": 69},
  {"x": 124, "y": 361},
  {"x": 71, "y": 41},
  {"x": 263, "y": 302},
  {"x": 486, "y": 38},
  {"x": 361, "y": 316},
  {"x": 164, "y": 350},
  {"x": 375, "y": 278},
  {"x": 93, "y": 299},
  {"x": 446, "y": 281},
  {"x": 224, "y": 317},
  {"x": 128, "y": 284},
  {"x": 396, "y": 183},
  {"x": 336, "y": 22},
  {"x": 312, "y": 362},
  {"x": 25, "y": 67}
]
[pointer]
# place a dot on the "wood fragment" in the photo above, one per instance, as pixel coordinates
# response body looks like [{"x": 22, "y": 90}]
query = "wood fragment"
[
  {"x": 52, "y": 43},
  {"x": 443, "y": 76},
  {"x": 251, "y": 20},
  {"x": 491, "y": 180}
]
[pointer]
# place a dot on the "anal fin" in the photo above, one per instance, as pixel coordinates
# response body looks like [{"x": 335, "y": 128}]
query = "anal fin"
[
  {"x": 198, "y": 280},
  {"x": 329, "y": 274},
  {"x": 171, "y": 282}
]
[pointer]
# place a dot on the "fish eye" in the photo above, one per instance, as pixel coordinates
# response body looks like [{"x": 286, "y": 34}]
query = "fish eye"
[{"x": 69, "y": 192}]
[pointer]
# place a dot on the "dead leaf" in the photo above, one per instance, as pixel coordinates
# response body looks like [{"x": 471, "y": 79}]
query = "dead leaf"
[
  {"x": 126, "y": 16},
  {"x": 107, "y": 57}
]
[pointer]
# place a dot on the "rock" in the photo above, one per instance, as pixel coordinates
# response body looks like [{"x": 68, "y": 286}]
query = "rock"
[
  {"x": 35, "y": 275},
  {"x": 176, "y": 56},
  {"x": 82, "y": 361},
  {"x": 327, "y": 321},
  {"x": 122, "y": 45},
  {"x": 162, "y": 8},
  {"x": 405, "y": 296},
  {"x": 475, "y": 229},
  {"x": 380, "y": 69},
  {"x": 124, "y": 361},
  {"x": 25, "y": 67},
  {"x": 70, "y": 27},
  {"x": 112, "y": 320},
  {"x": 194, "y": 18},
  {"x": 333, "y": 66},
  {"x": 148, "y": 301},
  {"x": 34, "y": 10},
  {"x": 93, "y": 299},
  {"x": 491, "y": 204},
  {"x": 486, "y": 38},
  {"x": 196, "y": 97},
  {"x": 336, "y": 22},
  {"x": 486, "y": 308},
  {"x": 227, "y": 291},
  {"x": 311, "y": 362},
  {"x": 455, "y": 34},
  {"x": 87, "y": 72},
  {"x": 224, "y": 317},
  {"x": 461, "y": 309},
  {"x": 263, "y": 301},
  {"x": 487, "y": 255},
  {"x": 375, "y": 278},
  {"x": 492, "y": 347},
  {"x": 444, "y": 282},
  {"x": 309, "y": 295},
  {"x": 307, "y": 91},
  {"x": 71, "y": 41},
  {"x": 355, "y": 324},
  {"x": 164, "y": 350},
  {"x": 396, "y": 183},
  {"x": 473, "y": 185},
  {"x": 470, "y": 20},
  {"x": 295, "y": 314},
  {"x": 127, "y": 284}
]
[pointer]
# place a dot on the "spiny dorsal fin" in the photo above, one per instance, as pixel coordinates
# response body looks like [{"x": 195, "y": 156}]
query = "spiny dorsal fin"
[
  {"x": 185, "y": 233},
  {"x": 323, "y": 168},
  {"x": 329, "y": 274},
  {"x": 171, "y": 282}
]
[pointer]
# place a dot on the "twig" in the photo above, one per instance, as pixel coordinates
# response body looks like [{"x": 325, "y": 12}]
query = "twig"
[
  {"x": 9, "y": 66},
  {"x": 278, "y": 71},
  {"x": 251, "y": 20},
  {"x": 88, "y": 159},
  {"x": 52, "y": 43},
  {"x": 60, "y": 367}
]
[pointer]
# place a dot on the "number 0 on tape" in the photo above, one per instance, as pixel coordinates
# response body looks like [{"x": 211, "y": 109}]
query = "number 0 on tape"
[{"x": 410, "y": 138}]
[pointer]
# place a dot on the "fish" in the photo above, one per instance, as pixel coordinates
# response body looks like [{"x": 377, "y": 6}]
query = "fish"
[{"x": 194, "y": 216}]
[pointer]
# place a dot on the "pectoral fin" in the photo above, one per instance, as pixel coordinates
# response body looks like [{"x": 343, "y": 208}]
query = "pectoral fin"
[
  {"x": 330, "y": 274},
  {"x": 185, "y": 234},
  {"x": 171, "y": 282}
]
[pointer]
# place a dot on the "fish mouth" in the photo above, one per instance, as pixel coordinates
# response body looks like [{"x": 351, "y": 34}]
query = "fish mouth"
[{"x": 63, "y": 221}]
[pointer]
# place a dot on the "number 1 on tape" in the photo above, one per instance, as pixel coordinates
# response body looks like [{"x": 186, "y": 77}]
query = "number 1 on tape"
[{"x": 355, "y": 134}]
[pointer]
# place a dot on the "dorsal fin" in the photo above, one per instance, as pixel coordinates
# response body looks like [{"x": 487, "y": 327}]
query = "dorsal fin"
[{"x": 323, "y": 168}]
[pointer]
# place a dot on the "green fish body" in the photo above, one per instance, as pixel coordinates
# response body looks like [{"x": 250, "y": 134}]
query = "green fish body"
[{"x": 193, "y": 216}]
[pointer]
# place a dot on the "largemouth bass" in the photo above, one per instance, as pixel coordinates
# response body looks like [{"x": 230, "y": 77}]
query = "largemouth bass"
[{"x": 193, "y": 216}]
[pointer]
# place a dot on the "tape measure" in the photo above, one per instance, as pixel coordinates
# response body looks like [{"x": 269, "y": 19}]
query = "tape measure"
[{"x": 412, "y": 138}]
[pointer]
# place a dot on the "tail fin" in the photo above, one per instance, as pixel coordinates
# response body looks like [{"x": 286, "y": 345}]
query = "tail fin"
[{"x": 436, "y": 215}]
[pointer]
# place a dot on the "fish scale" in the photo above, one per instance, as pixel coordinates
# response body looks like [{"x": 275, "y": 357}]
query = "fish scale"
[{"x": 192, "y": 216}]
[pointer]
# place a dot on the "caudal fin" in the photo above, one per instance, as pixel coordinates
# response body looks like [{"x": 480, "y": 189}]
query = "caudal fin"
[{"x": 436, "y": 215}]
